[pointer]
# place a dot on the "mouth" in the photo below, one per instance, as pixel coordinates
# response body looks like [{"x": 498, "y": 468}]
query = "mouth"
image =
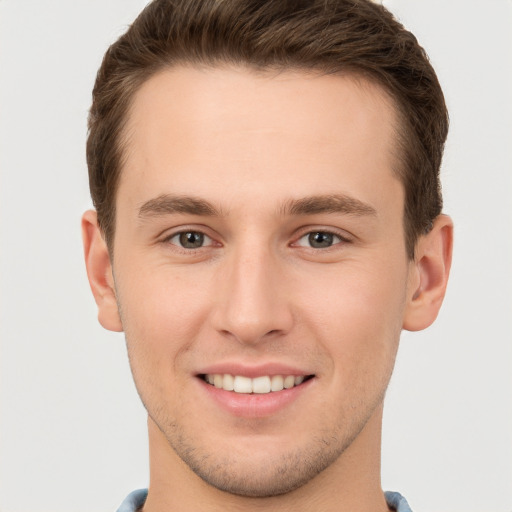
[{"x": 258, "y": 385}]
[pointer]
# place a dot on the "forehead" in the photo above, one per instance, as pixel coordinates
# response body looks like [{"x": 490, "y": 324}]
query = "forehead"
[{"x": 203, "y": 127}]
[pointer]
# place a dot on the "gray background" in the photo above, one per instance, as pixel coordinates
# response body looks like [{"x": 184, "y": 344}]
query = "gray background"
[{"x": 72, "y": 431}]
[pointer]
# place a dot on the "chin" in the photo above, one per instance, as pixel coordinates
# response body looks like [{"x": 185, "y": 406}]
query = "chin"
[
  {"x": 271, "y": 478},
  {"x": 259, "y": 471}
]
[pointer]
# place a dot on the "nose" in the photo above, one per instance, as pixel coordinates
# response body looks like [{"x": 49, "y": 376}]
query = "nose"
[{"x": 252, "y": 304}]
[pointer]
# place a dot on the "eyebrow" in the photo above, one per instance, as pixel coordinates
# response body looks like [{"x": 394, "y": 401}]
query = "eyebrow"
[
  {"x": 167, "y": 204},
  {"x": 335, "y": 203}
]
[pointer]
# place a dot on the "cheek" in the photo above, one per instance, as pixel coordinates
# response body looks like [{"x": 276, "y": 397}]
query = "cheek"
[
  {"x": 161, "y": 319},
  {"x": 161, "y": 301},
  {"x": 358, "y": 312},
  {"x": 162, "y": 315}
]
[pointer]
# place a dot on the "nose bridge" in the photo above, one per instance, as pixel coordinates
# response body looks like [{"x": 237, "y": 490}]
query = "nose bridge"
[{"x": 253, "y": 304}]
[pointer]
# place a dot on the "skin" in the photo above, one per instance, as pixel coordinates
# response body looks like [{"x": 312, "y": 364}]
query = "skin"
[{"x": 254, "y": 146}]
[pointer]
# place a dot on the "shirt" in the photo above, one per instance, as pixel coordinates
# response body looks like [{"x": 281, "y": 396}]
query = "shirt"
[{"x": 136, "y": 499}]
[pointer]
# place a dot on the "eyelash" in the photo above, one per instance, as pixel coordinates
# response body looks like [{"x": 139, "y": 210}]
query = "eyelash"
[
  {"x": 179, "y": 242},
  {"x": 336, "y": 238},
  {"x": 333, "y": 237}
]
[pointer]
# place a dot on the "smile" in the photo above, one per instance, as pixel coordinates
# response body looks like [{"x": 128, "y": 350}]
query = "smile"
[{"x": 257, "y": 385}]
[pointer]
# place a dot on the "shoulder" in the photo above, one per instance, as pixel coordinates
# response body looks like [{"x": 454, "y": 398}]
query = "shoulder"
[
  {"x": 133, "y": 501},
  {"x": 397, "y": 502}
]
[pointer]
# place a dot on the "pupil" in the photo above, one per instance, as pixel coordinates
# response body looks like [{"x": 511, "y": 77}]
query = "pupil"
[
  {"x": 319, "y": 240},
  {"x": 191, "y": 240}
]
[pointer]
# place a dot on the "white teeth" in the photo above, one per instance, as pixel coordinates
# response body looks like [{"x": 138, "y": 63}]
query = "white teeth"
[
  {"x": 259, "y": 385},
  {"x": 228, "y": 382},
  {"x": 242, "y": 384},
  {"x": 277, "y": 383},
  {"x": 217, "y": 381},
  {"x": 289, "y": 382}
]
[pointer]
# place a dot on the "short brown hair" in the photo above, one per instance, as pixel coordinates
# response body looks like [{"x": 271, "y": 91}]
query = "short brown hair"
[{"x": 328, "y": 36}]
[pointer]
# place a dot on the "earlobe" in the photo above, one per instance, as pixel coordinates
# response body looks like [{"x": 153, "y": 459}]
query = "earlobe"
[
  {"x": 99, "y": 272},
  {"x": 429, "y": 277}
]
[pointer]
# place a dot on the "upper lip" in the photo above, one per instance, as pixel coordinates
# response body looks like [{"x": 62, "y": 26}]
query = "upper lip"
[{"x": 252, "y": 371}]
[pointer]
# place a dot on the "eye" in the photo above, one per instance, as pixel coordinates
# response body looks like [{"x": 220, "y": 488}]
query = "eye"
[
  {"x": 319, "y": 240},
  {"x": 190, "y": 239}
]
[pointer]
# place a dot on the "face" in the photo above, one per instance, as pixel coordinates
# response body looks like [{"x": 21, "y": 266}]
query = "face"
[{"x": 260, "y": 268}]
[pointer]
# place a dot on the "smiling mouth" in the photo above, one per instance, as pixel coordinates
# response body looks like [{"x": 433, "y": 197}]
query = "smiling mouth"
[{"x": 257, "y": 385}]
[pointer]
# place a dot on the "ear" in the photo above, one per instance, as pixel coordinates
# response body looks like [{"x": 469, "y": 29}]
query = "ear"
[
  {"x": 99, "y": 272},
  {"x": 429, "y": 275}
]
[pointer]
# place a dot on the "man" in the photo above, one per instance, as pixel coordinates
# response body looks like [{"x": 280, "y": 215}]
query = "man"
[{"x": 268, "y": 219}]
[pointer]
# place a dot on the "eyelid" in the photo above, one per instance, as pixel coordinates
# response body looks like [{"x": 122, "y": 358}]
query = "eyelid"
[
  {"x": 341, "y": 234},
  {"x": 307, "y": 245},
  {"x": 169, "y": 234},
  {"x": 206, "y": 239}
]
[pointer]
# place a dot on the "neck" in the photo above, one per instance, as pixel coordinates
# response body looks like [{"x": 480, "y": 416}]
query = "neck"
[{"x": 351, "y": 483}]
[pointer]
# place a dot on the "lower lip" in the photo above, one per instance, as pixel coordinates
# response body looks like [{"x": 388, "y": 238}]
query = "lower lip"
[{"x": 255, "y": 405}]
